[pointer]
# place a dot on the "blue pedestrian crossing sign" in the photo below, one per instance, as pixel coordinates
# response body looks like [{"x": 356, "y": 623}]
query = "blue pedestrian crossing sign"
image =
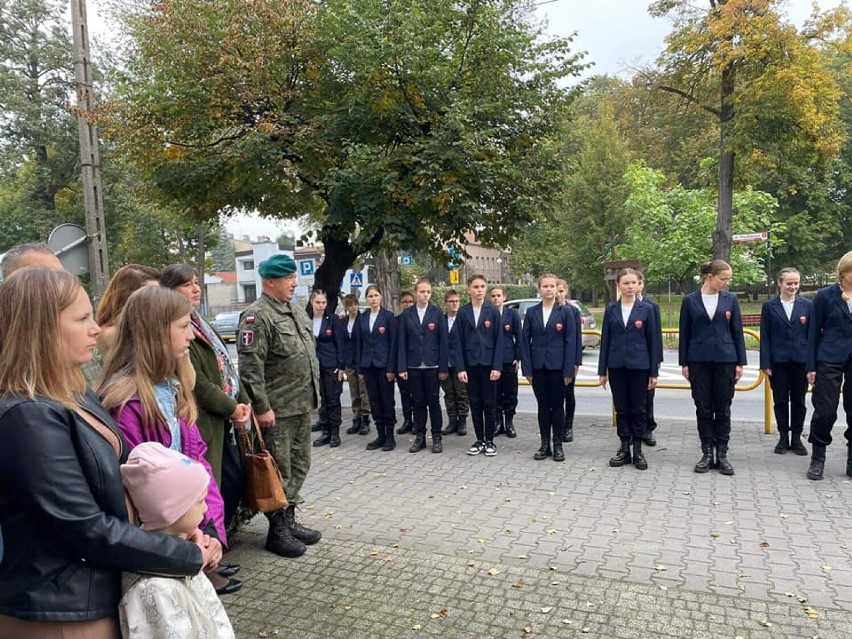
[
  {"x": 306, "y": 267},
  {"x": 356, "y": 280}
]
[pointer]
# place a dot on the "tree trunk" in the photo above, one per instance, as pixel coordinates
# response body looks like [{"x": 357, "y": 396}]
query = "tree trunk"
[
  {"x": 724, "y": 213},
  {"x": 201, "y": 232},
  {"x": 388, "y": 278},
  {"x": 339, "y": 256}
]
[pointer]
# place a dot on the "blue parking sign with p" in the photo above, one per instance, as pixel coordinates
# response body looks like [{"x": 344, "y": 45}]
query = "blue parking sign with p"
[{"x": 306, "y": 267}]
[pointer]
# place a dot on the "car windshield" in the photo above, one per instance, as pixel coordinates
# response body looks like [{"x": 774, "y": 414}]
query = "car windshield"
[{"x": 227, "y": 317}]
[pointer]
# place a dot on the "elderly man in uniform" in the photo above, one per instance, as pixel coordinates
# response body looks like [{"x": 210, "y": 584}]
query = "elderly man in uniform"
[{"x": 279, "y": 369}]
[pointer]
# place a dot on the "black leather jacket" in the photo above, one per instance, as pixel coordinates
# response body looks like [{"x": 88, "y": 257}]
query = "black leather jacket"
[{"x": 64, "y": 518}]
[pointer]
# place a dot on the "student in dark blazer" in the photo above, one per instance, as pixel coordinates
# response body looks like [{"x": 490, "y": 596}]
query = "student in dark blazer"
[
  {"x": 651, "y": 423},
  {"x": 548, "y": 358},
  {"x": 629, "y": 360},
  {"x": 422, "y": 361},
  {"x": 829, "y": 364},
  {"x": 479, "y": 360},
  {"x": 562, "y": 292},
  {"x": 328, "y": 334},
  {"x": 375, "y": 363},
  {"x": 455, "y": 390},
  {"x": 507, "y": 388},
  {"x": 406, "y": 301},
  {"x": 712, "y": 354},
  {"x": 357, "y": 388},
  {"x": 783, "y": 355}
]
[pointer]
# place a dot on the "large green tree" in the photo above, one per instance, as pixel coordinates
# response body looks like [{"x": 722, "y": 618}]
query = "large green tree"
[
  {"x": 398, "y": 125},
  {"x": 766, "y": 86}
]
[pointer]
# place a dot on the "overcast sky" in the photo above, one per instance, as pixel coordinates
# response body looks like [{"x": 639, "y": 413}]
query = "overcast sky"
[{"x": 617, "y": 35}]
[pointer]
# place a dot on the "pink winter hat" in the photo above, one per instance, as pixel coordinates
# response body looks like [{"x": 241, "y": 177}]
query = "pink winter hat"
[{"x": 162, "y": 483}]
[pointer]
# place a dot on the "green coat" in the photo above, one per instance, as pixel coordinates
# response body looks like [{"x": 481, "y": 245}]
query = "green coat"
[
  {"x": 214, "y": 405},
  {"x": 278, "y": 359}
]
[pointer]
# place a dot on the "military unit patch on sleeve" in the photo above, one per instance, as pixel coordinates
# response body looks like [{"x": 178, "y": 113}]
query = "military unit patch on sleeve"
[{"x": 247, "y": 336}]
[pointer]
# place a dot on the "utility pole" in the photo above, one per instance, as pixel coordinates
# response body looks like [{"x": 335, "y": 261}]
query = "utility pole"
[{"x": 90, "y": 158}]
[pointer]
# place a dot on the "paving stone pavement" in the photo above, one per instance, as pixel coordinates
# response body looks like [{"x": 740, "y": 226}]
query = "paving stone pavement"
[{"x": 423, "y": 544}]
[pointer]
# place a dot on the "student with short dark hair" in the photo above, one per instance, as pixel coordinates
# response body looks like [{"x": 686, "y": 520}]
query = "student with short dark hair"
[
  {"x": 357, "y": 388},
  {"x": 406, "y": 301},
  {"x": 455, "y": 391},
  {"x": 507, "y": 389}
]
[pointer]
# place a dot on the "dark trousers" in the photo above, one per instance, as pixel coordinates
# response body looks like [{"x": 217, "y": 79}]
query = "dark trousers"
[
  {"x": 405, "y": 397},
  {"x": 424, "y": 386},
  {"x": 630, "y": 395},
  {"x": 380, "y": 392},
  {"x": 830, "y": 378},
  {"x": 483, "y": 401},
  {"x": 507, "y": 389},
  {"x": 712, "y": 386},
  {"x": 330, "y": 390},
  {"x": 789, "y": 383},
  {"x": 570, "y": 404},
  {"x": 650, "y": 421},
  {"x": 549, "y": 389},
  {"x": 455, "y": 396}
]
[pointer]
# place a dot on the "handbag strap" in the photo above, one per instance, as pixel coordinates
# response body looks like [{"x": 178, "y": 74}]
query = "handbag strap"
[{"x": 249, "y": 444}]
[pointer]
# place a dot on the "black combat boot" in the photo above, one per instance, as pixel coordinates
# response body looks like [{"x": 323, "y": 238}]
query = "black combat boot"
[
  {"x": 796, "y": 444},
  {"x": 437, "y": 445},
  {"x": 461, "y": 430},
  {"x": 817, "y": 466},
  {"x": 706, "y": 462},
  {"x": 544, "y": 451},
  {"x": 280, "y": 539},
  {"x": 379, "y": 441},
  {"x": 317, "y": 426},
  {"x": 365, "y": 425},
  {"x": 355, "y": 427},
  {"x": 558, "y": 453},
  {"x": 390, "y": 442},
  {"x": 649, "y": 438},
  {"x": 325, "y": 438},
  {"x": 783, "y": 444},
  {"x": 419, "y": 443},
  {"x": 500, "y": 426},
  {"x": 622, "y": 456},
  {"x": 639, "y": 461},
  {"x": 511, "y": 433},
  {"x": 335, "y": 436},
  {"x": 722, "y": 462},
  {"x": 307, "y": 536},
  {"x": 407, "y": 426},
  {"x": 452, "y": 426},
  {"x": 568, "y": 431}
]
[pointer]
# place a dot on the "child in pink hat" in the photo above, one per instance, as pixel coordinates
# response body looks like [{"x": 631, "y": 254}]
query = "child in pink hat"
[{"x": 169, "y": 490}]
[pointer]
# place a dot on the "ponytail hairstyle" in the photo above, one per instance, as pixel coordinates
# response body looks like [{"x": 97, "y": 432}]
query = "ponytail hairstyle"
[
  {"x": 713, "y": 267},
  {"x": 315, "y": 294}
]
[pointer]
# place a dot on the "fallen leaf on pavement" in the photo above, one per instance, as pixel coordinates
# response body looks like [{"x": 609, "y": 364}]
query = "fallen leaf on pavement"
[
  {"x": 547, "y": 609},
  {"x": 528, "y": 629},
  {"x": 518, "y": 585},
  {"x": 494, "y": 571},
  {"x": 810, "y": 612}
]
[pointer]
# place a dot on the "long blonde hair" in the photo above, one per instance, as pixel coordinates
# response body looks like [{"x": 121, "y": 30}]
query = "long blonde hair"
[
  {"x": 142, "y": 357},
  {"x": 31, "y": 344}
]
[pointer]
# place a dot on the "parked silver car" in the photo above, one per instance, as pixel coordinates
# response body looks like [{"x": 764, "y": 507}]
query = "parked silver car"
[
  {"x": 226, "y": 325},
  {"x": 587, "y": 320}
]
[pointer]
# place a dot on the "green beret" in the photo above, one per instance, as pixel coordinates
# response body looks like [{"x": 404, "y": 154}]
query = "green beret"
[{"x": 280, "y": 265}]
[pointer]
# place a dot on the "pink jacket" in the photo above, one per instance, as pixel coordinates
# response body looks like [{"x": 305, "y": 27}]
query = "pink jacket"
[{"x": 130, "y": 422}]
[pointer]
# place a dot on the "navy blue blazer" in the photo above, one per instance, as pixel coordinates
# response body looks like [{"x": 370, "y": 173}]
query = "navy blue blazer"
[
  {"x": 704, "y": 340},
  {"x": 422, "y": 343},
  {"x": 511, "y": 321},
  {"x": 373, "y": 348},
  {"x": 553, "y": 346},
  {"x": 578, "y": 320},
  {"x": 830, "y": 334},
  {"x": 635, "y": 346},
  {"x": 348, "y": 341},
  {"x": 658, "y": 317},
  {"x": 783, "y": 340},
  {"x": 330, "y": 351},
  {"x": 452, "y": 341},
  {"x": 479, "y": 344}
]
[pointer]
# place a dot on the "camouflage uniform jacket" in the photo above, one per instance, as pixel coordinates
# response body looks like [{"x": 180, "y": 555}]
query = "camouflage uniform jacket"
[{"x": 277, "y": 355}]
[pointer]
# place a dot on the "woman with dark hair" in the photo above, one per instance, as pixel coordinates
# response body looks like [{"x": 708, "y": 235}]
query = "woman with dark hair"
[
  {"x": 783, "y": 354},
  {"x": 830, "y": 364},
  {"x": 374, "y": 361},
  {"x": 62, "y": 506},
  {"x": 712, "y": 354},
  {"x": 328, "y": 333}
]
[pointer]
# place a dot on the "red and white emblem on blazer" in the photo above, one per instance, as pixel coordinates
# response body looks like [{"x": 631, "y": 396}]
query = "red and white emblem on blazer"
[
  {"x": 559, "y": 326},
  {"x": 328, "y": 332},
  {"x": 803, "y": 319},
  {"x": 638, "y": 324},
  {"x": 431, "y": 326},
  {"x": 728, "y": 315},
  {"x": 507, "y": 327},
  {"x": 487, "y": 323},
  {"x": 382, "y": 330}
]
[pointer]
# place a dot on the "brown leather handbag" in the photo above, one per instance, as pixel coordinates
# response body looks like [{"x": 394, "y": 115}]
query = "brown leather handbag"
[{"x": 264, "y": 490}]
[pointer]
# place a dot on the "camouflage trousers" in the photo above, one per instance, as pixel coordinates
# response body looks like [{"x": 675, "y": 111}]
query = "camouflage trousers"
[
  {"x": 358, "y": 393},
  {"x": 289, "y": 443}
]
